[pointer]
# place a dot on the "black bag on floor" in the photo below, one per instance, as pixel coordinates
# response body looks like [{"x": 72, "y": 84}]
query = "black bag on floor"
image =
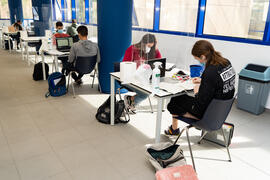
[
  {"x": 104, "y": 112},
  {"x": 38, "y": 73},
  {"x": 7, "y": 46}
]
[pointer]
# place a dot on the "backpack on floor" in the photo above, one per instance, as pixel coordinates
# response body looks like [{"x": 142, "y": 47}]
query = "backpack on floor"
[
  {"x": 38, "y": 72},
  {"x": 7, "y": 46},
  {"x": 104, "y": 112},
  {"x": 57, "y": 85}
]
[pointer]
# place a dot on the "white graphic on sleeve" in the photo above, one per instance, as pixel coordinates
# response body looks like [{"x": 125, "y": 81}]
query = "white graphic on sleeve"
[
  {"x": 228, "y": 74},
  {"x": 228, "y": 77}
]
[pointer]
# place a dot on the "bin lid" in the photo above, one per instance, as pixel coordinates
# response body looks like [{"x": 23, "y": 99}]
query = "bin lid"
[{"x": 255, "y": 71}]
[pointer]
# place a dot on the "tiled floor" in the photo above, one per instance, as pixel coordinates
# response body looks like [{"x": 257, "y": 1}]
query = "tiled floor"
[{"x": 60, "y": 139}]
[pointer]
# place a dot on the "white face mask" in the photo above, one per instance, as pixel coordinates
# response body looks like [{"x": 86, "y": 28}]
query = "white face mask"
[{"x": 147, "y": 49}]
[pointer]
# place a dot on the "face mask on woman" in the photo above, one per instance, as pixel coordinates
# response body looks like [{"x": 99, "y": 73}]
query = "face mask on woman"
[{"x": 147, "y": 49}]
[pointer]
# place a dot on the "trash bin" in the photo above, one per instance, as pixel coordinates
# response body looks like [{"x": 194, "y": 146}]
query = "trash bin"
[{"x": 253, "y": 88}]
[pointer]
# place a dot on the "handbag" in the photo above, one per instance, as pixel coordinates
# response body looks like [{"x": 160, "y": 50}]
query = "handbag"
[
  {"x": 103, "y": 114},
  {"x": 163, "y": 155}
]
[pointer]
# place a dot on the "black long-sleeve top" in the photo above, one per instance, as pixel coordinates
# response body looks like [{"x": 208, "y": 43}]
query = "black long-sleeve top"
[{"x": 217, "y": 82}]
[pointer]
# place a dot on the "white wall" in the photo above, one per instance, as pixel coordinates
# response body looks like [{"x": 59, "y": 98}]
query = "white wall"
[{"x": 177, "y": 49}]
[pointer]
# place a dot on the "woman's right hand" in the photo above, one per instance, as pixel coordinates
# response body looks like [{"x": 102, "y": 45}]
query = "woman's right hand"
[{"x": 196, "y": 80}]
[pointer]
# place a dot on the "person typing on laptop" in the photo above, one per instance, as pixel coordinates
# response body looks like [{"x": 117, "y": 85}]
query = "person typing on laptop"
[
  {"x": 83, "y": 48},
  {"x": 144, "y": 50}
]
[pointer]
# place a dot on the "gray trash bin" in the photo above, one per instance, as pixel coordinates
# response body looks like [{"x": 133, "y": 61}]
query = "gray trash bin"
[{"x": 253, "y": 88}]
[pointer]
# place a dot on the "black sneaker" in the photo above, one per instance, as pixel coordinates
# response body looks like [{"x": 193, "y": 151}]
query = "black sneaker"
[{"x": 171, "y": 132}]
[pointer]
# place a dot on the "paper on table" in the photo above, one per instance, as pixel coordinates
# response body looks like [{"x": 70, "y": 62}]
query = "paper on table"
[{"x": 176, "y": 87}]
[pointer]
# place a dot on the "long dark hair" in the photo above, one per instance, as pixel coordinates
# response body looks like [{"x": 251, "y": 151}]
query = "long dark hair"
[
  {"x": 205, "y": 48},
  {"x": 147, "y": 38}
]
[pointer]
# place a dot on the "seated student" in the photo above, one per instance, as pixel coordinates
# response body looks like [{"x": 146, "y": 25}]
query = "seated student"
[
  {"x": 16, "y": 27},
  {"x": 83, "y": 48},
  {"x": 146, "y": 49},
  {"x": 59, "y": 33},
  {"x": 217, "y": 82},
  {"x": 71, "y": 30}
]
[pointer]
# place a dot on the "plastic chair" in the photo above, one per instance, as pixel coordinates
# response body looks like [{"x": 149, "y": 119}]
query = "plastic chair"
[
  {"x": 212, "y": 120},
  {"x": 24, "y": 34},
  {"x": 117, "y": 69},
  {"x": 84, "y": 65}
]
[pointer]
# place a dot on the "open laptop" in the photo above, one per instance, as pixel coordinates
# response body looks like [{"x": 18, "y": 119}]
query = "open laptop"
[
  {"x": 64, "y": 44},
  {"x": 162, "y": 68}
]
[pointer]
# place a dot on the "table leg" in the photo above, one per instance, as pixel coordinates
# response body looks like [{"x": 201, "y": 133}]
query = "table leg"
[
  {"x": 43, "y": 67},
  {"x": 56, "y": 63},
  {"x": 9, "y": 45},
  {"x": 22, "y": 50},
  {"x": 27, "y": 53},
  {"x": 158, "y": 121},
  {"x": 112, "y": 100}
]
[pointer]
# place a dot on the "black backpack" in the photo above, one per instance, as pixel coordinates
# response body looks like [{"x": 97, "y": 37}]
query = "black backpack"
[
  {"x": 104, "y": 112},
  {"x": 38, "y": 73},
  {"x": 7, "y": 45}
]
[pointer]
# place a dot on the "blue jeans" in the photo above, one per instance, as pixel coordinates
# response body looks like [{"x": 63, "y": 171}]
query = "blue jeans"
[{"x": 140, "y": 96}]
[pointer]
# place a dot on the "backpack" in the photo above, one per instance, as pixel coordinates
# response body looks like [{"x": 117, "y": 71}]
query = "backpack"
[
  {"x": 57, "y": 85},
  {"x": 7, "y": 46},
  {"x": 104, "y": 112},
  {"x": 38, "y": 72}
]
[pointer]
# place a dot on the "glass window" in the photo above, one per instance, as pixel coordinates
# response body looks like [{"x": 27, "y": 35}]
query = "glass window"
[
  {"x": 67, "y": 10},
  {"x": 144, "y": 13},
  {"x": 236, "y": 18},
  {"x": 179, "y": 15},
  {"x": 27, "y": 9},
  {"x": 80, "y": 11},
  {"x": 58, "y": 10},
  {"x": 93, "y": 11},
  {"x": 4, "y": 9}
]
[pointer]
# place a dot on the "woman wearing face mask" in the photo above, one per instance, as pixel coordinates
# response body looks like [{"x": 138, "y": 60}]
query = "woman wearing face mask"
[
  {"x": 146, "y": 49},
  {"x": 217, "y": 82}
]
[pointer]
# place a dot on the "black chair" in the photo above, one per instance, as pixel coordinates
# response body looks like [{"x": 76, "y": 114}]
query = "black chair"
[
  {"x": 212, "y": 120},
  {"x": 117, "y": 69},
  {"x": 84, "y": 65}
]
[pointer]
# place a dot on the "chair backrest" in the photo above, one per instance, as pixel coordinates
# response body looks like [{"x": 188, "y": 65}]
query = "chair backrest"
[
  {"x": 85, "y": 65},
  {"x": 5, "y": 29},
  {"x": 23, "y": 34},
  {"x": 116, "y": 66},
  {"x": 215, "y": 114}
]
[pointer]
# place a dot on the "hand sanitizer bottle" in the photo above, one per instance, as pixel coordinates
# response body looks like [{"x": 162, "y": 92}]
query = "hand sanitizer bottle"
[{"x": 156, "y": 78}]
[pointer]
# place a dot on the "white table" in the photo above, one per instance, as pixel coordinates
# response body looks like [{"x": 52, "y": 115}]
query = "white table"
[
  {"x": 29, "y": 40},
  {"x": 55, "y": 53},
  {"x": 8, "y": 34},
  {"x": 160, "y": 96}
]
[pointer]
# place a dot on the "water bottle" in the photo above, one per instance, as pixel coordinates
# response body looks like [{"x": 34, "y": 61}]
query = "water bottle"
[{"x": 156, "y": 78}]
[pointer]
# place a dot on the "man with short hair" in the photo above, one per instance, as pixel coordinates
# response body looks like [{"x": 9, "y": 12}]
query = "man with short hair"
[
  {"x": 83, "y": 48},
  {"x": 59, "y": 31}
]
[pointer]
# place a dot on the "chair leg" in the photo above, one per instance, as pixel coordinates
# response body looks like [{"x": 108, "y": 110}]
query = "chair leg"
[
  {"x": 93, "y": 79},
  {"x": 73, "y": 89},
  {"x": 68, "y": 82},
  {"x": 204, "y": 133},
  {"x": 150, "y": 104},
  {"x": 189, "y": 146},
  {"x": 226, "y": 144}
]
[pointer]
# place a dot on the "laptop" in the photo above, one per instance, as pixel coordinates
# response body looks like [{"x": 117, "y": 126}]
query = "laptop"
[
  {"x": 64, "y": 44},
  {"x": 162, "y": 68}
]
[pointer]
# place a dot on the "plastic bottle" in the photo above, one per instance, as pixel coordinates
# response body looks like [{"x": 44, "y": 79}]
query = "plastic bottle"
[{"x": 156, "y": 77}]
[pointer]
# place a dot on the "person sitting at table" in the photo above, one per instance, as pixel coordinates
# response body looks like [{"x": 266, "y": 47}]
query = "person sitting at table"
[
  {"x": 59, "y": 33},
  {"x": 83, "y": 48},
  {"x": 16, "y": 27},
  {"x": 216, "y": 82},
  {"x": 146, "y": 49},
  {"x": 71, "y": 30}
]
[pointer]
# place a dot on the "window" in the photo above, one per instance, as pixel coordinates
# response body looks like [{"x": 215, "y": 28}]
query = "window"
[
  {"x": 27, "y": 9},
  {"x": 80, "y": 11},
  {"x": 179, "y": 15},
  {"x": 4, "y": 9},
  {"x": 58, "y": 10},
  {"x": 93, "y": 11},
  {"x": 67, "y": 10},
  {"x": 144, "y": 13},
  {"x": 236, "y": 18}
]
